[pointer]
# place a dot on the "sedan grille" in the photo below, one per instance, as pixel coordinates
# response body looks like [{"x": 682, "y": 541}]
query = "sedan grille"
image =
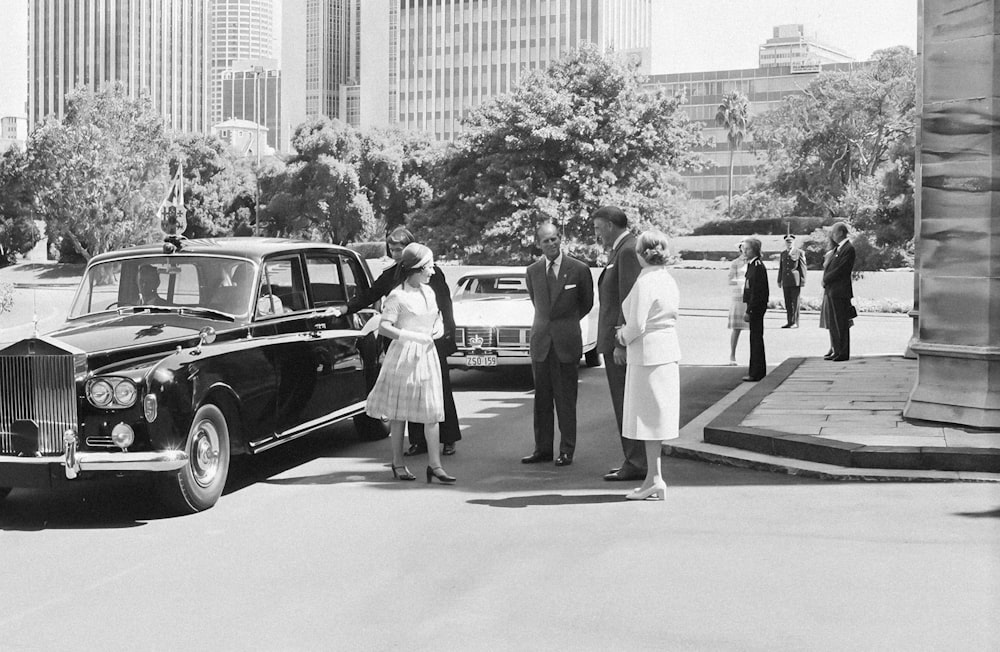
[
  {"x": 513, "y": 337},
  {"x": 39, "y": 389},
  {"x": 480, "y": 338}
]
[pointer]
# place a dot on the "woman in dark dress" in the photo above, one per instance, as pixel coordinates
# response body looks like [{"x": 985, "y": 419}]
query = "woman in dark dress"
[{"x": 450, "y": 433}]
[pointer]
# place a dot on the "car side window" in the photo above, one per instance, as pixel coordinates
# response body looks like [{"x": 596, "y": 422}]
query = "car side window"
[
  {"x": 326, "y": 282},
  {"x": 282, "y": 289}
]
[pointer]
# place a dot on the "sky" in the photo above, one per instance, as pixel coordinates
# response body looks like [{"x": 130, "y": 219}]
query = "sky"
[{"x": 689, "y": 35}]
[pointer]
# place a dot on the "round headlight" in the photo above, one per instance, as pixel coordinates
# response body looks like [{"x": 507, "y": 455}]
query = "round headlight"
[
  {"x": 100, "y": 393},
  {"x": 122, "y": 435},
  {"x": 125, "y": 392}
]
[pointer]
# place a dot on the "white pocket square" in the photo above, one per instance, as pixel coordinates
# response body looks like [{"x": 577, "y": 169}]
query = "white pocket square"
[{"x": 570, "y": 287}]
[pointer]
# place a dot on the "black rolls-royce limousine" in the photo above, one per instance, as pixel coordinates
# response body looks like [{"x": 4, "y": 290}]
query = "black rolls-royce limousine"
[{"x": 175, "y": 357}]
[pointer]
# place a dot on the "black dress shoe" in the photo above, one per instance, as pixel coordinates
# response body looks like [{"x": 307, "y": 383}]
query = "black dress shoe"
[
  {"x": 564, "y": 460},
  {"x": 448, "y": 449},
  {"x": 535, "y": 458},
  {"x": 828, "y": 357},
  {"x": 618, "y": 476},
  {"x": 415, "y": 450},
  {"x": 787, "y": 326},
  {"x": 614, "y": 470}
]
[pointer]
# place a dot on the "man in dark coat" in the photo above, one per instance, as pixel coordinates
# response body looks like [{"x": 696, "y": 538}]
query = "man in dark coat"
[
  {"x": 791, "y": 278},
  {"x": 562, "y": 292},
  {"x": 839, "y": 291},
  {"x": 614, "y": 284},
  {"x": 755, "y": 295},
  {"x": 450, "y": 431}
]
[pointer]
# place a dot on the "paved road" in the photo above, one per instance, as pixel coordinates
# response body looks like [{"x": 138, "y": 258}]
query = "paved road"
[{"x": 315, "y": 547}]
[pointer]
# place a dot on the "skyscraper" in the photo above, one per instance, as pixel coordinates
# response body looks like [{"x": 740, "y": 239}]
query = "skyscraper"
[
  {"x": 241, "y": 29},
  {"x": 157, "y": 47},
  {"x": 455, "y": 54}
]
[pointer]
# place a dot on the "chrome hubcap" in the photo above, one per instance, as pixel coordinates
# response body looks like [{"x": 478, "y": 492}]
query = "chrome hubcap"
[{"x": 205, "y": 453}]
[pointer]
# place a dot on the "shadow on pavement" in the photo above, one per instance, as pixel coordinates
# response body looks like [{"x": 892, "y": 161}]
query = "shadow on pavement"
[
  {"x": 548, "y": 500},
  {"x": 993, "y": 513}
]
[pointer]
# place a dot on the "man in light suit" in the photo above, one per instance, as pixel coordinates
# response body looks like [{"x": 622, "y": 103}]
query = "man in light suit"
[
  {"x": 839, "y": 291},
  {"x": 791, "y": 279},
  {"x": 614, "y": 284},
  {"x": 562, "y": 292},
  {"x": 755, "y": 295}
]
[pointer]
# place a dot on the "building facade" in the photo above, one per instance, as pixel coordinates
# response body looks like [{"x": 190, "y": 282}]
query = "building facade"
[
  {"x": 251, "y": 90},
  {"x": 765, "y": 87},
  {"x": 13, "y": 132},
  {"x": 797, "y": 47},
  {"x": 456, "y": 54},
  {"x": 155, "y": 47},
  {"x": 241, "y": 30}
]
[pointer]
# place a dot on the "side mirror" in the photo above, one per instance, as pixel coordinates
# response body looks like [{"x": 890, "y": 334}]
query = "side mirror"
[{"x": 205, "y": 336}]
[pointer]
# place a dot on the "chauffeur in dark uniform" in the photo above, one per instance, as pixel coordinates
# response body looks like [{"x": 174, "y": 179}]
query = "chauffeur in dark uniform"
[
  {"x": 562, "y": 292},
  {"x": 755, "y": 295}
]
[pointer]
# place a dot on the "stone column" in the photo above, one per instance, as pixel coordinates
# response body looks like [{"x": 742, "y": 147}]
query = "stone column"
[{"x": 959, "y": 240}]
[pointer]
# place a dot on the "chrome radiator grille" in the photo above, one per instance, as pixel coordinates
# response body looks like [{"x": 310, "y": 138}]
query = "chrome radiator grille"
[
  {"x": 478, "y": 337},
  {"x": 38, "y": 388}
]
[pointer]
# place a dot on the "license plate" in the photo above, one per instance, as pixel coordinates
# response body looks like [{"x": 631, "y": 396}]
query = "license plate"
[{"x": 481, "y": 361}]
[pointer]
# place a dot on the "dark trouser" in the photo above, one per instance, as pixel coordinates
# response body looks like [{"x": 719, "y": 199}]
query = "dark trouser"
[
  {"x": 634, "y": 450},
  {"x": 450, "y": 430},
  {"x": 840, "y": 329},
  {"x": 792, "y": 303},
  {"x": 555, "y": 384},
  {"x": 758, "y": 363}
]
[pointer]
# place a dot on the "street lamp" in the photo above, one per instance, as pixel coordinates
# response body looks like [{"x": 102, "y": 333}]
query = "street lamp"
[{"x": 257, "y": 71}]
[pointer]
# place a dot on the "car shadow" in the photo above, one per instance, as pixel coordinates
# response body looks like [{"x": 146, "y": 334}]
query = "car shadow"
[
  {"x": 548, "y": 500},
  {"x": 93, "y": 505}
]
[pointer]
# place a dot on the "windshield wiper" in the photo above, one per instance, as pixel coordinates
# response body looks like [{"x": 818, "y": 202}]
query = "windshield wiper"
[
  {"x": 135, "y": 309},
  {"x": 206, "y": 312}
]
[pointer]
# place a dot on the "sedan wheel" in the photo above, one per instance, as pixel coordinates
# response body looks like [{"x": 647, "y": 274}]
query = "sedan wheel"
[{"x": 198, "y": 485}]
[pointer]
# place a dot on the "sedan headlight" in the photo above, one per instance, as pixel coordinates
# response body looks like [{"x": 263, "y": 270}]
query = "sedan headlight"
[
  {"x": 100, "y": 393},
  {"x": 112, "y": 392}
]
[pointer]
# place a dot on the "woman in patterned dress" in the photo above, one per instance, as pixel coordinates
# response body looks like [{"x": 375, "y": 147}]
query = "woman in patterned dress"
[{"x": 409, "y": 384}]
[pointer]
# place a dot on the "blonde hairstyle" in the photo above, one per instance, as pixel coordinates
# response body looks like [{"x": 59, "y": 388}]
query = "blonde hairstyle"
[{"x": 653, "y": 246}]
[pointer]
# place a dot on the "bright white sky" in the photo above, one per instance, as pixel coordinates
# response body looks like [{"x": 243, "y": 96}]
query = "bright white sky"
[{"x": 690, "y": 35}]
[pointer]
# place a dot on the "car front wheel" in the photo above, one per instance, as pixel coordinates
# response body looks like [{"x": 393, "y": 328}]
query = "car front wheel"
[{"x": 198, "y": 485}]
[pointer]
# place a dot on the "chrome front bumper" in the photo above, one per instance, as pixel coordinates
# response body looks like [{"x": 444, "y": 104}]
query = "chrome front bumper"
[{"x": 75, "y": 462}]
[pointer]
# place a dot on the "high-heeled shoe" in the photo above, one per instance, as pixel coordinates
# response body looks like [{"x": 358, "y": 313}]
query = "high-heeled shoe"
[
  {"x": 656, "y": 492},
  {"x": 402, "y": 475},
  {"x": 441, "y": 476}
]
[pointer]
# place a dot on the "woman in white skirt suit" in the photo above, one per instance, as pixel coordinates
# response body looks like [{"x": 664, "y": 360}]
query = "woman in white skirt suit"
[{"x": 652, "y": 384}]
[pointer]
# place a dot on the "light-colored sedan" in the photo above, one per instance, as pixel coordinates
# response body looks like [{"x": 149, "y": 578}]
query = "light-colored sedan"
[{"x": 493, "y": 316}]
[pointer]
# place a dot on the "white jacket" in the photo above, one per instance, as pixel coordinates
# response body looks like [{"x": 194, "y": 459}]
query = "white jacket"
[{"x": 650, "y": 311}]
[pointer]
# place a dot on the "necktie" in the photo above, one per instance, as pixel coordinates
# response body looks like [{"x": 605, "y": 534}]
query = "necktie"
[{"x": 553, "y": 281}]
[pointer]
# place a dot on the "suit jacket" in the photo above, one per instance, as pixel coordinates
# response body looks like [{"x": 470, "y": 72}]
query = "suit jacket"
[
  {"x": 650, "y": 318},
  {"x": 557, "y": 319},
  {"x": 385, "y": 283},
  {"x": 613, "y": 286},
  {"x": 756, "y": 290},
  {"x": 792, "y": 272},
  {"x": 837, "y": 274}
]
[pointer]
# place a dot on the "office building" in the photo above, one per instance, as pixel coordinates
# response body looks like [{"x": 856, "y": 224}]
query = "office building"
[
  {"x": 241, "y": 30},
  {"x": 13, "y": 132},
  {"x": 155, "y": 47},
  {"x": 456, "y": 54},
  {"x": 797, "y": 47},
  {"x": 251, "y": 90},
  {"x": 765, "y": 87}
]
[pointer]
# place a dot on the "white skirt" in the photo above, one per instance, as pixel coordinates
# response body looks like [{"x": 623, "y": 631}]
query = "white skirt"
[{"x": 652, "y": 402}]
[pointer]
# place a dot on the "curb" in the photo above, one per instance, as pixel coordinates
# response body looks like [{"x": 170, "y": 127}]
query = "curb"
[{"x": 690, "y": 444}]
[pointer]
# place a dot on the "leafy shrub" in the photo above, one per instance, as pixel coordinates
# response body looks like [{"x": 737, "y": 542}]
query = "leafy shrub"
[{"x": 771, "y": 226}]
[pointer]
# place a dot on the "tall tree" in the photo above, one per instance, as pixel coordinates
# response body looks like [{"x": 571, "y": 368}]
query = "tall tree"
[
  {"x": 99, "y": 173},
  {"x": 562, "y": 143},
  {"x": 17, "y": 228},
  {"x": 734, "y": 115}
]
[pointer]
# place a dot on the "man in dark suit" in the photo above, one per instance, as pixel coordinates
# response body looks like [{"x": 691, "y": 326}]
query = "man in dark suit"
[
  {"x": 562, "y": 292},
  {"x": 755, "y": 295},
  {"x": 614, "y": 284},
  {"x": 791, "y": 278},
  {"x": 839, "y": 291}
]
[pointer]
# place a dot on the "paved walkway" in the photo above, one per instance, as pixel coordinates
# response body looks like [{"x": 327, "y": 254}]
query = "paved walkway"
[{"x": 838, "y": 420}]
